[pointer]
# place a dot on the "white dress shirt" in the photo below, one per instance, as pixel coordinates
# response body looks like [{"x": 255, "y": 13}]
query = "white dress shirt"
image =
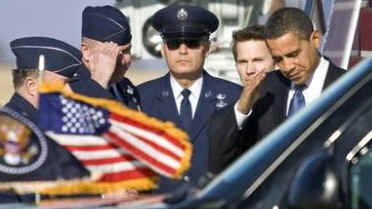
[
  {"x": 195, "y": 89},
  {"x": 311, "y": 92},
  {"x": 314, "y": 85}
]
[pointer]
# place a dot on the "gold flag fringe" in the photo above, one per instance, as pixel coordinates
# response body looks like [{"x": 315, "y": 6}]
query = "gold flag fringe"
[
  {"x": 81, "y": 186},
  {"x": 142, "y": 184}
]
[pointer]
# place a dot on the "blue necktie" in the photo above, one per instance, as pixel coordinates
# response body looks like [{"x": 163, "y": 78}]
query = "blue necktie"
[
  {"x": 297, "y": 101},
  {"x": 186, "y": 113}
]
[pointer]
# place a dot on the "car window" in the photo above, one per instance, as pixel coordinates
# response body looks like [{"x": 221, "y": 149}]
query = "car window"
[{"x": 360, "y": 181}]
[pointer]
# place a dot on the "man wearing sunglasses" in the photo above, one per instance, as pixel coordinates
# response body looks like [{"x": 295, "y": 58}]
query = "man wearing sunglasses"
[
  {"x": 105, "y": 48},
  {"x": 187, "y": 95}
]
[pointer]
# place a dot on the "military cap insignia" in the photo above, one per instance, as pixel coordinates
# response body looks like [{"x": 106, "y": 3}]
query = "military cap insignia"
[
  {"x": 23, "y": 147},
  {"x": 182, "y": 14}
]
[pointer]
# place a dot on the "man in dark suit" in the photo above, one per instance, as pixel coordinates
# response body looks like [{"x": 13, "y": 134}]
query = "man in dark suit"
[
  {"x": 187, "y": 95},
  {"x": 303, "y": 74},
  {"x": 62, "y": 60},
  {"x": 106, "y": 54}
]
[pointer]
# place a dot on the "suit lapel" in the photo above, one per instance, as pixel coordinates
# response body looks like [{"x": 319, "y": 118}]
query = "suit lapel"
[
  {"x": 284, "y": 97},
  {"x": 281, "y": 94},
  {"x": 165, "y": 103},
  {"x": 333, "y": 74},
  {"x": 206, "y": 106}
]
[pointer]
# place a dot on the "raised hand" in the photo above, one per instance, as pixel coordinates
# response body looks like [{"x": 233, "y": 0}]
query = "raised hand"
[
  {"x": 103, "y": 62},
  {"x": 250, "y": 91},
  {"x": 123, "y": 63}
]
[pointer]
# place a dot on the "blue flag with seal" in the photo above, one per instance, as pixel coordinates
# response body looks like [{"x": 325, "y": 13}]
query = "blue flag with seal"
[{"x": 30, "y": 161}]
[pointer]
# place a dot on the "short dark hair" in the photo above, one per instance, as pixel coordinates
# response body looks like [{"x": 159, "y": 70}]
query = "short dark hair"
[
  {"x": 286, "y": 20},
  {"x": 20, "y": 75},
  {"x": 253, "y": 32}
]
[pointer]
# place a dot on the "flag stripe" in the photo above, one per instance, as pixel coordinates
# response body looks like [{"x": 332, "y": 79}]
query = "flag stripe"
[
  {"x": 160, "y": 148},
  {"x": 157, "y": 165},
  {"x": 155, "y": 139},
  {"x": 89, "y": 140},
  {"x": 91, "y": 148},
  {"x": 116, "y": 167},
  {"x": 143, "y": 148},
  {"x": 142, "y": 126},
  {"x": 91, "y": 155},
  {"x": 102, "y": 161},
  {"x": 128, "y": 175}
]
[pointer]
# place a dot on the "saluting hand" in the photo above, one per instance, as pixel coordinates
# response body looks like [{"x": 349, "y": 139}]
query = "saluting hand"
[
  {"x": 123, "y": 62},
  {"x": 103, "y": 62}
]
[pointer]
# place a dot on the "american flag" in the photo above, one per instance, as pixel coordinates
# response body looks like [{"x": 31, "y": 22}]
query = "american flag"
[{"x": 111, "y": 140}]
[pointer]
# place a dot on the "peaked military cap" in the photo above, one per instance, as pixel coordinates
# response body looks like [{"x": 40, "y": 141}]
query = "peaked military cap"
[
  {"x": 60, "y": 57},
  {"x": 106, "y": 23},
  {"x": 184, "y": 21}
]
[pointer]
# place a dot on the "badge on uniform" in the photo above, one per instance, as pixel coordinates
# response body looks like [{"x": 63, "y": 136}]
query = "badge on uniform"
[{"x": 220, "y": 101}]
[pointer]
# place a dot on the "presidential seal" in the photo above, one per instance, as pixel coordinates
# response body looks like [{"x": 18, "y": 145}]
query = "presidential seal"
[{"x": 23, "y": 148}]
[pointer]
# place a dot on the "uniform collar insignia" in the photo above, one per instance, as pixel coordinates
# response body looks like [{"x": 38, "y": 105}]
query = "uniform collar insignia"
[
  {"x": 134, "y": 99},
  {"x": 221, "y": 103},
  {"x": 129, "y": 90},
  {"x": 208, "y": 94},
  {"x": 165, "y": 93},
  {"x": 221, "y": 96},
  {"x": 182, "y": 14}
]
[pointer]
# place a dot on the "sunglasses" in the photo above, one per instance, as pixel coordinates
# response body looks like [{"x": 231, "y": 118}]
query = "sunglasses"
[{"x": 174, "y": 44}]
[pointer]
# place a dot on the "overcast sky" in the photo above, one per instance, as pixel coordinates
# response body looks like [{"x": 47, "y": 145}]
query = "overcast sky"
[{"x": 60, "y": 19}]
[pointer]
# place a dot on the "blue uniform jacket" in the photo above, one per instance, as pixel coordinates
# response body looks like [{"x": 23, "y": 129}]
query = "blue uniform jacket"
[
  {"x": 158, "y": 101},
  {"x": 22, "y": 106}
]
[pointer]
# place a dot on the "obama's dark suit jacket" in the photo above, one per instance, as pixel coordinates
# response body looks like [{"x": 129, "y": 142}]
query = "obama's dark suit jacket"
[{"x": 227, "y": 142}]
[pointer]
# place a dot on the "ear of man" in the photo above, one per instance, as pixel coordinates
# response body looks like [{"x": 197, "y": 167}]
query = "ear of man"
[
  {"x": 316, "y": 38},
  {"x": 31, "y": 86}
]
